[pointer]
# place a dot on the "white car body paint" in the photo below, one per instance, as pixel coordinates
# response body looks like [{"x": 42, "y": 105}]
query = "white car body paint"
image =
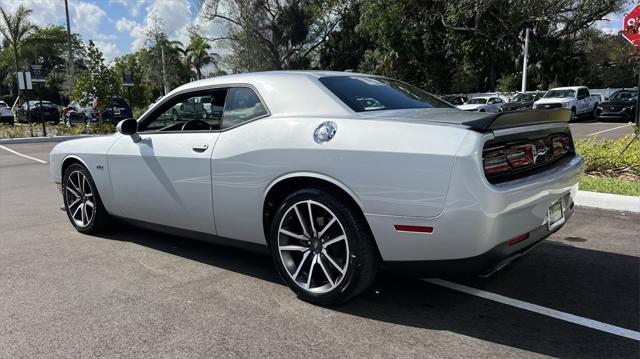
[{"x": 410, "y": 167}]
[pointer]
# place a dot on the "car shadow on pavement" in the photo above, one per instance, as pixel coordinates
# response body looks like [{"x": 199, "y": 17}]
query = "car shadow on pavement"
[{"x": 597, "y": 285}]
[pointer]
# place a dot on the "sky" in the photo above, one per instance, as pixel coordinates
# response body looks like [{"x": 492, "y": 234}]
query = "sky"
[{"x": 118, "y": 26}]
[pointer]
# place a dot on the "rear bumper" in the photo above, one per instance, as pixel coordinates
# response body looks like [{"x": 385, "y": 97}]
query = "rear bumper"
[
  {"x": 621, "y": 115},
  {"x": 482, "y": 264}
]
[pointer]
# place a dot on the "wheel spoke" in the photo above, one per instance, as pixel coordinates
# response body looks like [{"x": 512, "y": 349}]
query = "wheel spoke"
[
  {"x": 313, "y": 226},
  {"x": 302, "y": 222},
  {"x": 76, "y": 211},
  {"x": 334, "y": 240},
  {"x": 326, "y": 255},
  {"x": 322, "y": 232},
  {"x": 90, "y": 204},
  {"x": 80, "y": 184},
  {"x": 313, "y": 264},
  {"x": 304, "y": 258},
  {"x": 85, "y": 215},
  {"x": 293, "y": 248},
  {"x": 294, "y": 235},
  {"x": 326, "y": 273},
  {"x": 74, "y": 203},
  {"x": 72, "y": 191}
]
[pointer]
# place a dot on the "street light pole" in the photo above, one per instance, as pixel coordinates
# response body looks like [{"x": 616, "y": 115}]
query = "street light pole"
[
  {"x": 69, "y": 61},
  {"x": 164, "y": 72},
  {"x": 525, "y": 60}
]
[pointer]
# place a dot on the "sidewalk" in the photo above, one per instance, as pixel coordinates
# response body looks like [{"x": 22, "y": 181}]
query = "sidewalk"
[{"x": 608, "y": 201}]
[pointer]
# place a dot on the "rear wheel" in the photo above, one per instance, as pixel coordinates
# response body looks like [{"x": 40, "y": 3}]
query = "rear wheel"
[
  {"x": 82, "y": 201},
  {"x": 322, "y": 249}
]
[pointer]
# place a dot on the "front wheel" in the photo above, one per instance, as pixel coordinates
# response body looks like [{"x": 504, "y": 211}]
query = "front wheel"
[
  {"x": 82, "y": 201},
  {"x": 322, "y": 248},
  {"x": 573, "y": 115}
]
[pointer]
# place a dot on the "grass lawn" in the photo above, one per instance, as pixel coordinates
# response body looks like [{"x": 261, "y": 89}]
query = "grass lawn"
[{"x": 610, "y": 185}]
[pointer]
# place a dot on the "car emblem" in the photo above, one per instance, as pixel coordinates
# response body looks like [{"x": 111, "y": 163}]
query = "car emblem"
[
  {"x": 325, "y": 132},
  {"x": 539, "y": 150}
]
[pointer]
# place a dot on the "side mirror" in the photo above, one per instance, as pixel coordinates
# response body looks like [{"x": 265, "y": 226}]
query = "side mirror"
[{"x": 129, "y": 127}]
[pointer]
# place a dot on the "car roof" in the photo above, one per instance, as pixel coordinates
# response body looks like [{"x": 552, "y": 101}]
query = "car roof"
[
  {"x": 568, "y": 88},
  {"x": 315, "y": 100}
]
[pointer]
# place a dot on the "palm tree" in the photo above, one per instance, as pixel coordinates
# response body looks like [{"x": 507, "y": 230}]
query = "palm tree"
[
  {"x": 14, "y": 28},
  {"x": 198, "y": 54}
]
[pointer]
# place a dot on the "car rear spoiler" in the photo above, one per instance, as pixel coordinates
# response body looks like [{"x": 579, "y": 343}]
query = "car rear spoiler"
[{"x": 518, "y": 118}]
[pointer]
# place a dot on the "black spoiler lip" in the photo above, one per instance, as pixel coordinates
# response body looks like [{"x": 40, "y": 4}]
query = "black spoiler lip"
[{"x": 504, "y": 120}]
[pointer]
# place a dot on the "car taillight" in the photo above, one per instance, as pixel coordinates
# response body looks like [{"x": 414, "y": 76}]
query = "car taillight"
[
  {"x": 506, "y": 159},
  {"x": 560, "y": 145},
  {"x": 496, "y": 162}
]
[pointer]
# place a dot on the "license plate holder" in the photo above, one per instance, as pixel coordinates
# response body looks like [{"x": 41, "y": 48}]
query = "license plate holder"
[{"x": 555, "y": 215}]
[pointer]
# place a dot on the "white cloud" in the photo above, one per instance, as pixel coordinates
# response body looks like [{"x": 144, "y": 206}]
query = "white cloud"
[
  {"x": 44, "y": 12},
  {"x": 109, "y": 50},
  {"x": 126, "y": 25},
  {"x": 87, "y": 17}
]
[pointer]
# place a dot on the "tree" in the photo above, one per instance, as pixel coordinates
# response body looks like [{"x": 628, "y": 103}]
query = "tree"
[
  {"x": 160, "y": 55},
  {"x": 15, "y": 27},
  {"x": 97, "y": 82},
  {"x": 273, "y": 34},
  {"x": 199, "y": 55}
]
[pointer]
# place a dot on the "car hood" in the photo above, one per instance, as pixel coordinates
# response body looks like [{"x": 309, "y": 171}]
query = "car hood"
[
  {"x": 554, "y": 100},
  {"x": 472, "y": 106},
  {"x": 618, "y": 103},
  {"x": 518, "y": 104}
]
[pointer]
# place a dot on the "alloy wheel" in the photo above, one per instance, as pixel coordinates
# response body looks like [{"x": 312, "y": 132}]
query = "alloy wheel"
[
  {"x": 313, "y": 247},
  {"x": 79, "y": 199}
]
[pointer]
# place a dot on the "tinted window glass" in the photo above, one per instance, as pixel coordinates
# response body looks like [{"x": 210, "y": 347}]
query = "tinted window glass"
[
  {"x": 477, "y": 101},
  {"x": 206, "y": 107},
  {"x": 363, "y": 93},
  {"x": 242, "y": 105}
]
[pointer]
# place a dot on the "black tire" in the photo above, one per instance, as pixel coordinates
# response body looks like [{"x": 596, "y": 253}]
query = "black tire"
[
  {"x": 362, "y": 265},
  {"x": 100, "y": 218},
  {"x": 574, "y": 116}
]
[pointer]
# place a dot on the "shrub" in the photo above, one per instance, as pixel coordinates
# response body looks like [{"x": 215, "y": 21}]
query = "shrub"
[{"x": 603, "y": 156}]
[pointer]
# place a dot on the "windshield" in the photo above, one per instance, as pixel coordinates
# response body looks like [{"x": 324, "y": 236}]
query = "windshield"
[
  {"x": 560, "y": 93},
  {"x": 477, "y": 101},
  {"x": 523, "y": 97},
  {"x": 363, "y": 93},
  {"x": 624, "y": 96}
]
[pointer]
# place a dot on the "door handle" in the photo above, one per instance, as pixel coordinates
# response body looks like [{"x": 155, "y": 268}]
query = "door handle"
[{"x": 200, "y": 148}]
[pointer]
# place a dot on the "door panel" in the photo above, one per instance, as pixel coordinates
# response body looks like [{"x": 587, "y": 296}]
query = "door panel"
[{"x": 165, "y": 178}]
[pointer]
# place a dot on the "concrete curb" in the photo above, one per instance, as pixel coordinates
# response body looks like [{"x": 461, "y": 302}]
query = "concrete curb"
[
  {"x": 7, "y": 141},
  {"x": 608, "y": 201}
]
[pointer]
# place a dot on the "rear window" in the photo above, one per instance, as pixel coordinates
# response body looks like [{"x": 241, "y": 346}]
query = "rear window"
[{"x": 362, "y": 93}]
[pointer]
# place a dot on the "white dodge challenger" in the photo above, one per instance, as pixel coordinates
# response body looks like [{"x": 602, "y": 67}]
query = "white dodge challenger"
[{"x": 336, "y": 174}]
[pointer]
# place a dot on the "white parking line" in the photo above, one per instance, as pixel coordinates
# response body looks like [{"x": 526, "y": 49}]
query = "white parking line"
[
  {"x": 594, "y": 324},
  {"x": 22, "y": 155},
  {"x": 607, "y": 130}
]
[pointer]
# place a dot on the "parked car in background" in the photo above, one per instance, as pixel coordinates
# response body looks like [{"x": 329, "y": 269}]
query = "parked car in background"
[
  {"x": 522, "y": 101},
  {"x": 576, "y": 98},
  {"x": 336, "y": 174},
  {"x": 6, "y": 115},
  {"x": 620, "y": 106},
  {"x": 38, "y": 111},
  {"x": 455, "y": 100},
  {"x": 75, "y": 114},
  {"x": 117, "y": 110},
  {"x": 483, "y": 104}
]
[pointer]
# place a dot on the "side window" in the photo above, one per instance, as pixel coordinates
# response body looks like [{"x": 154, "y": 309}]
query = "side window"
[
  {"x": 242, "y": 105},
  {"x": 190, "y": 112},
  {"x": 583, "y": 92}
]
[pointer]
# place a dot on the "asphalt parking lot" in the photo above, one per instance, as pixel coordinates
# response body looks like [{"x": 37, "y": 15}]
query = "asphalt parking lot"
[
  {"x": 600, "y": 130},
  {"x": 136, "y": 293}
]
